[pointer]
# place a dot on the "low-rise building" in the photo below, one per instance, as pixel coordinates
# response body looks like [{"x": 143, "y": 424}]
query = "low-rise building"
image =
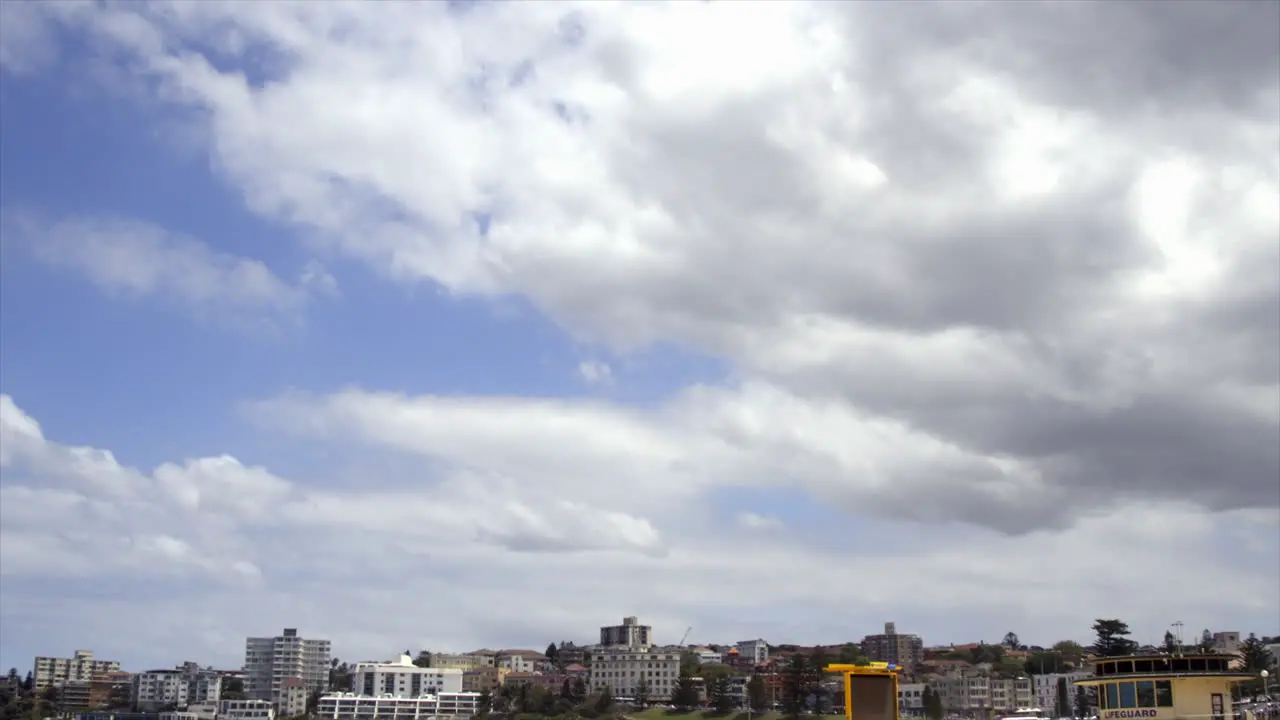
[
  {"x": 753, "y": 652},
  {"x": 347, "y": 706},
  {"x": 291, "y": 701},
  {"x": 199, "y": 711},
  {"x": 1048, "y": 686},
  {"x": 485, "y": 678},
  {"x": 523, "y": 661},
  {"x": 463, "y": 661},
  {"x": 246, "y": 710},
  {"x": 911, "y": 699},
  {"x": 177, "y": 688},
  {"x": 401, "y": 678}
]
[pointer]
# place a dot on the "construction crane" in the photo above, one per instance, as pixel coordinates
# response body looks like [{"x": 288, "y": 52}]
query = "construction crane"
[{"x": 685, "y": 636}]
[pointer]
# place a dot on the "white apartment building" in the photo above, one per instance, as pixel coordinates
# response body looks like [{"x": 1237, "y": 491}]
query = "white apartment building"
[
  {"x": 155, "y": 689},
  {"x": 970, "y": 693},
  {"x": 291, "y": 701},
  {"x": 401, "y": 678},
  {"x": 246, "y": 710},
  {"x": 911, "y": 698},
  {"x": 81, "y": 667},
  {"x": 754, "y": 651},
  {"x": 707, "y": 656},
  {"x": 268, "y": 662},
  {"x": 204, "y": 711},
  {"x": 1046, "y": 688},
  {"x": 621, "y": 668},
  {"x": 348, "y": 706},
  {"x": 525, "y": 661}
]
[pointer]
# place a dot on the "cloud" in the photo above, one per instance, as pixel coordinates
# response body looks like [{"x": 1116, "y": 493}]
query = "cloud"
[
  {"x": 755, "y": 521},
  {"x": 999, "y": 280},
  {"x": 135, "y": 259},
  {"x": 595, "y": 372}
]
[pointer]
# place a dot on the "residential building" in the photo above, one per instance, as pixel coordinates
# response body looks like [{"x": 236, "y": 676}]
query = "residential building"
[
  {"x": 707, "y": 656},
  {"x": 346, "y": 706},
  {"x": 269, "y": 661},
  {"x": 1227, "y": 643},
  {"x": 401, "y": 678},
  {"x": 291, "y": 701},
  {"x": 753, "y": 652},
  {"x": 570, "y": 654},
  {"x": 52, "y": 672},
  {"x": 910, "y": 699},
  {"x": 484, "y": 678},
  {"x": 629, "y": 634},
  {"x": 246, "y": 710},
  {"x": 180, "y": 687},
  {"x": 621, "y": 668},
  {"x": 1046, "y": 688},
  {"x": 524, "y": 661},
  {"x": 889, "y": 646},
  {"x": 463, "y": 661},
  {"x": 201, "y": 711}
]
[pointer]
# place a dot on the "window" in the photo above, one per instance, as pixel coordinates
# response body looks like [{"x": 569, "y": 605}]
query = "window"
[
  {"x": 1128, "y": 698},
  {"x": 1164, "y": 693},
  {"x": 1146, "y": 694},
  {"x": 1113, "y": 697}
]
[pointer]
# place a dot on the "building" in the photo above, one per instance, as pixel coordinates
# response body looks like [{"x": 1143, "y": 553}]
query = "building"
[
  {"x": 1226, "y": 642},
  {"x": 1164, "y": 687},
  {"x": 291, "y": 701},
  {"x": 401, "y": 678},
  {"x": 205, "y": 711},
  {"x": 629, "y": 634},
  {"x": 269, "y": 661},
  {"x": 464, "y": 661},
  {"x": 911, "y": 699},
  {"x": 622, "y": 669},
  {"x": 177, "y": 688},
  {"x": 752, "y": 652},
  {"x": 81, "y": 667},
  {"x": 570, "y": 654},
  {"x": 980, "y": 693},
  {"x": 246, "y": 710},
  {"x": 1047, "y": 688},
  {"x": 523, "y": 661},
  {"x": 347, "y": 706},
  {"x": 484, "y": 678},
  {"x": 904, "y": 650},
  {"x": 707, "y": 656}
]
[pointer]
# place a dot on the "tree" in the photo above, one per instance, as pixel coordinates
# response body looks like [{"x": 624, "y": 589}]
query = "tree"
[
  {"x": 484, "y": 703},
  {"x": 1206, "y": 642},
  {"x": 689, "y": 663},
  {"x": 685, "y": 694},
  {"x": 605, "y": 702},
  {"x": 579, "y": 688},
  {"x": 1082, "y": 703},
  {"x": 798, "y": 683},
  {"x": 720, "y": 694},
  {"x": 1170, "y": 644},
  {"x": 552, "y": 653},
  {"x": 1064, "y": 698},
  {"x": 931, "y": 701},
  {"x": 642, "y": 692},
  {"x": 1011, "y": 641},
  {"x": 423, "y": 660},
  {"x": 851, "y": 654},
  {"x": 756, "y": 697},
  {"x": 1044, "y": 663},
  {"x": 233, "y": 689},
  {"x": 1070, "y": 650},
  {"x": 1255, "y": 655},
  {"x": 1112, "y": 638}
]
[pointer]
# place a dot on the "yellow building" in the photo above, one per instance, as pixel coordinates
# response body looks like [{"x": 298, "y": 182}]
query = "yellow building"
[{"x": 1164, "y": 687}]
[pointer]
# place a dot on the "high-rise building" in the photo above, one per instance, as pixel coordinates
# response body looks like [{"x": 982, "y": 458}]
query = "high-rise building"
[
  {"x": 269, "y": 661},
  {"x": 905, "y": 650},
  {"x": 52, "y": 671},
  {"x": 629, "y": 634}
]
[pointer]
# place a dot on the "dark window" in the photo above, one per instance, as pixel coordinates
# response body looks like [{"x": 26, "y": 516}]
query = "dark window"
[
  {"x": 1146, "y": 694},
  {"x": 1198, "y": 665},
  {"x": 1162, "y": 665},
  {"x": 1124, "y": 667},
  {"x": 1106, "y": 668},
  {"x": 1142, "y": 666},
  {"x": 1180, "y": 665},
  {"x": 1113, "y": 697},
  {"x": 1128, "y": 697}
]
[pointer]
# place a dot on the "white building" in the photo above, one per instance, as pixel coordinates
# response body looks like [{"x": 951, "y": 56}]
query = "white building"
[
  {"x": 348, "y": 706},
  {"x": 246, "y": 710},
  {"x": 203, "y": 711},
  {"x": 525, "y": 661},
  {"x": 403, "y": 679},
  {"x": 1048, "y": 686},
  {"x": 755, "y": 652},
  {"x": 707, "y": 656},
  {"x": 621, "y": 668},
  {"x": 155, "y": 689},
  {"x": 911, "y": 698},
  {"x": 52, "y": 671},
  {"x": 270, "y": 661}
]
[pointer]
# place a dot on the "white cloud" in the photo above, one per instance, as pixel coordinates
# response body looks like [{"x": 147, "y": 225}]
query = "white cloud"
[
  {"x": 929, "y": 245},
  {"x": 595, "y": 372},
  {"x": 756, "y": 521}
]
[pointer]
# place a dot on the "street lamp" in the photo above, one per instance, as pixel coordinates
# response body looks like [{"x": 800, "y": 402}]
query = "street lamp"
[{"x": 1266, "y": 685}]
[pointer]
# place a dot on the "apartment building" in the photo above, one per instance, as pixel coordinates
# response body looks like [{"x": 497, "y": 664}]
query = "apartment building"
[
  {"x": 1227, "y": 642},
  {"x": 291, "y": 701},
  {"x": 484, "y": 678},
  {"x": 401, "y": 678},
  {"x": 464, "y": 661},
  {"x": 890, "y": 646},
  {"x": 347, "y": 706},
  {"x": 629, "y": 634},
  {"x": 621, "y": 668},
  {"x": 911, "y": 699},
  {"x": 269, "y": 661},
  {"x": 524, "y": 661},
  {"x": 707, "y": 656},
  {"x": 753, "y": 652},
  {"x": 80, "y": 667},
  {"x": 981, "y": 693},
  {"x": 1046, "y": 688},
  {"x": 246, "y": 710},
  {"x": 180, "y": 687},
  {"x": 206, "y": 711}
]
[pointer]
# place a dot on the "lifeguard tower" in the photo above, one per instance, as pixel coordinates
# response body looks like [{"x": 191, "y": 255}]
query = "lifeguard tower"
[
  {"x": 1194, "y": 686},
  {"x": 870, "y": 691}
]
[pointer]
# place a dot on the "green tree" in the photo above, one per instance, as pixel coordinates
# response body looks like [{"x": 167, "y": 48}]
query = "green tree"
[
  {"x": 233, "y": 689},
  {"x": 604, "y": 703},
  {"x": 579, "y": 688},
  {"x": 689, "y": 663},
  {"x": 799, "y": 682},
  {"x": 553, "y": 654},
  {"x": 1082, "y": 703},
  {"x": 484, "y": 703},
  {"x": 1170, "y": 644},
  {"x": 931, "y": 702},
  {"x": 642, "y": 692},
  {"x": 1070, "y": 650},
  {"x": 1206, "y": 642},
  {"x": 685, "y": 694},
  {"x": 1112, "y": 638},
  {"x": 1254, "y": 655},
  {"x": 756, "y": 696},
  {"x": 423, "y": 660},
  {"x": 1011, "y": 641},
  {"x": 720, "y": 695},
  {"x": 851, "y": 654},
  {"x": 1064, "y": 698}
]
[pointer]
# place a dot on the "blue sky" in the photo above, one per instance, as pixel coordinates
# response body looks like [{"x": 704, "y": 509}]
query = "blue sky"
[{"x": 722, "y": 354}]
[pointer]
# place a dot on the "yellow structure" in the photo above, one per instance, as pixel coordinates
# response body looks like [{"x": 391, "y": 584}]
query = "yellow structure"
[
  {"x": 1164, "y": 687},
  {"x": 870, "y": 691}
]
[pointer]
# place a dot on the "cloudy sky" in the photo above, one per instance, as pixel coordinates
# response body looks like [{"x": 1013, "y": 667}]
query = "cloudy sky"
[{"x": 485, "y": 324}]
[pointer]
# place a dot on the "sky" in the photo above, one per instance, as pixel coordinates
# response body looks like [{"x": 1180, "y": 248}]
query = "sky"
[{"x": 452, "y": 325}]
